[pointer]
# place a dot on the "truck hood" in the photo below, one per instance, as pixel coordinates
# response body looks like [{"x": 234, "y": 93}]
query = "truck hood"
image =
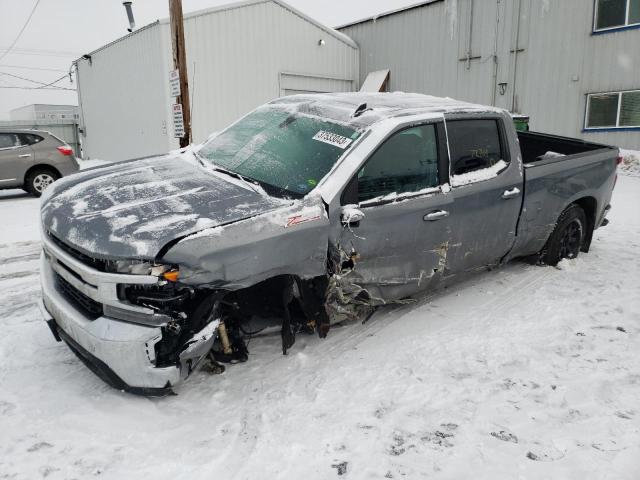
[{"x": 133, "y": 209}]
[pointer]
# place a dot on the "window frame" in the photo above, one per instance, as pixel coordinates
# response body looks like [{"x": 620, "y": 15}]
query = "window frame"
[
  {"x": 595, "y": 30},
  {"x": 15, "y": 147},
  {"x": 502, "y": 135},
  {"x": 351, "y": 187},
  {"x": 617, "y": 126}
]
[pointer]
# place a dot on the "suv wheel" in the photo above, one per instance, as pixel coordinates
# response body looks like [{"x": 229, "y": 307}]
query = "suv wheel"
[{"x": 38, "y": 180}]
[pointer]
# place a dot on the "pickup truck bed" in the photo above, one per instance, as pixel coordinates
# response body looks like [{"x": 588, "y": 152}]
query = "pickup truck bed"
[{"x": 557, "y": 169}]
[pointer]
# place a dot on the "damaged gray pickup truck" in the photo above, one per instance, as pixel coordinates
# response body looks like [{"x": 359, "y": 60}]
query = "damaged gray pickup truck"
[{"x": 311, "y": 210}]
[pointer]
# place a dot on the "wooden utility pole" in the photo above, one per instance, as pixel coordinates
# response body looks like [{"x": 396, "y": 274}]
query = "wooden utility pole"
[{"x": 180, "y": 64}]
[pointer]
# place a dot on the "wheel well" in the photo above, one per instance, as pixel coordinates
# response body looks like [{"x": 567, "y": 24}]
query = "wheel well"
[
  {"x": 590, "y": 207},
  {"x": 41, "y": 166}
]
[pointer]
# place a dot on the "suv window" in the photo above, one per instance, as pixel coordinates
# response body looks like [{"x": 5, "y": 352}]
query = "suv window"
[
  {"x": 406, "y": 162},
  {"x": 473, "y": 145},
  {"x": 30, "y": 138},
  {"x": 9, "y": 140}
]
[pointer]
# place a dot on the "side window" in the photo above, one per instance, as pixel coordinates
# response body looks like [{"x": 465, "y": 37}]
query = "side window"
[
  {"x": 473, "y": 145},
  {"x": 30, "y": 138},
  {"x": 406, "y": 162},
  {"x": 9, "y": 140}
]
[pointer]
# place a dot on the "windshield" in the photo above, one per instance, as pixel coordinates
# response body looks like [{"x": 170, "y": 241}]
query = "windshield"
[{"x": 286, "y": 150}]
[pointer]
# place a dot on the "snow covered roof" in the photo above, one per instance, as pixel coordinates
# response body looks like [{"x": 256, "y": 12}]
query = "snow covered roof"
[
  {"x": 389, "y": 12},
  {"x": 341, "y": 106}
]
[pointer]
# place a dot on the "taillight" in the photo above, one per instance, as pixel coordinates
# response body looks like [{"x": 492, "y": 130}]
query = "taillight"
[
  {"x": 619, "y": 160},
  {"x": 65, "y": 150}
]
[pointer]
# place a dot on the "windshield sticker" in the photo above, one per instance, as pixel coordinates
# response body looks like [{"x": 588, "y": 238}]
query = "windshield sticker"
[{"x": 332, "y": 139}]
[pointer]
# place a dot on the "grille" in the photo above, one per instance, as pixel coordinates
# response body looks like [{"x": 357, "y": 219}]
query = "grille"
[
  {"x": 86, "y": 305},
  {"x": 98, "y": 264}
]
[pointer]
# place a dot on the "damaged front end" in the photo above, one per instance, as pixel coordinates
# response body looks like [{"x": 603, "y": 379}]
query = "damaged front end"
[{"x": 135, "y": 326}]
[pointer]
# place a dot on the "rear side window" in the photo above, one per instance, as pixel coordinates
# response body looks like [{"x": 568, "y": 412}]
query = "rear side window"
[
  {"x": 9, "y": 140},
  {"x": 30, "y": 138},
  {"x": 406, "y": 162},
  {"x": 473, "y": 145}
]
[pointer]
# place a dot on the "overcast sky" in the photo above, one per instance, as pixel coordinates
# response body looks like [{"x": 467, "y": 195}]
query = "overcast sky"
[{"x": 62, "y": 30}]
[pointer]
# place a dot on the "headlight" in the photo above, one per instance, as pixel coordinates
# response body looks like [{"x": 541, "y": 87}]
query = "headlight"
[{"x": 134, "y": 267}]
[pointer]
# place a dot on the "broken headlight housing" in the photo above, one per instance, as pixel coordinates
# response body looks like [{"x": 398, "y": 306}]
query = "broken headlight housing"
[{"x": 136, "y": 267}]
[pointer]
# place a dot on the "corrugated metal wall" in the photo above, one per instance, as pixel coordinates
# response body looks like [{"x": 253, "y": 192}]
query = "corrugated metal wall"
[
  {"x": 243, "y": 56},
  {"x": 559, "y": 61},
  {"x": 123, "y": 98}
]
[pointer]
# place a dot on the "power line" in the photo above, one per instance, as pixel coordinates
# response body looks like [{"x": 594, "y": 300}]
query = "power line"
[
  {"x": 33, "y": 10},
  {"x": 24, "y": 67},
  {"x": 39, "y": 88},
  {"x": 56, "y": 81},
  {"x": 42, "y": 84},
  {"x": 43, "y": 52},
  {"x": 31, "y": 80}
]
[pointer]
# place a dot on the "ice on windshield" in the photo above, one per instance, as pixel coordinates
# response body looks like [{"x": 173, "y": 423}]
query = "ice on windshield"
[{"x": 289, "y": 151}]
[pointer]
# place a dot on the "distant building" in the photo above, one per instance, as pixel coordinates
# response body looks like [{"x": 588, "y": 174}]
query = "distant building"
[
  {"x": 238, "y": 57},
  {"x": 60, "y": 120},
  {"x": 38, "y": 111},
  {"x": 573, "y": 66}
]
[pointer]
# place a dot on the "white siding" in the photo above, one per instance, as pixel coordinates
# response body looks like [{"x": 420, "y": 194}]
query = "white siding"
[
  {"x": 241, "y": 55},
  {"x": 560, "y": 63},
  {"x": 123, "y": 98}
]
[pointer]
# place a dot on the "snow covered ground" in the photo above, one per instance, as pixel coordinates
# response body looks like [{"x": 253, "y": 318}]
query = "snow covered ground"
[
  {"x": 525, "y": 372},
  {"x": 630, "y": 162}
]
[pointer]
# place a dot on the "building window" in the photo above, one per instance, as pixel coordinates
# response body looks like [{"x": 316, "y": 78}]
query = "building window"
[
  {"x": 611, "y": 14},
  {"x": 613, "y": 110}
]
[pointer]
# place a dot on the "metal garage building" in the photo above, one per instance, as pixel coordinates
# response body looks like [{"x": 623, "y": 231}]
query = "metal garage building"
[
  {"x": 239, "y": 56},
  {"x": 573, "y": 66}
]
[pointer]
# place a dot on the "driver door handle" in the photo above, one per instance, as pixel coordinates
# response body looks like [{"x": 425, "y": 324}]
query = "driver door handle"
[
  {"x": 511, "y": 193},
  {"x": 24, "y": 155},
  {"x": 435, "y": 215}
]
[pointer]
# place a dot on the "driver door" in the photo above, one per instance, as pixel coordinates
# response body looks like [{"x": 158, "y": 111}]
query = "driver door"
[{"x": 401, "y": 243}]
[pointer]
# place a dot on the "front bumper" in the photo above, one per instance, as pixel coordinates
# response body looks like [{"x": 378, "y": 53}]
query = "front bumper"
[
  {"x": 120, "y": 353},
  {"x": 118, "y": 350}
]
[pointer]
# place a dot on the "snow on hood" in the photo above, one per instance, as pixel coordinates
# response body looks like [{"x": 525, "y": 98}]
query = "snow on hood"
[{"x": 133, "y": 209}]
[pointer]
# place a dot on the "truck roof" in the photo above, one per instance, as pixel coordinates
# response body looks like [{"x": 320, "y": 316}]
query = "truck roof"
[{"x": 341, "y": 107}]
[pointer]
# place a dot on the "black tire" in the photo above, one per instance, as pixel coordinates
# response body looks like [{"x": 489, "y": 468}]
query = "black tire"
[
  {"x": 567, "y": 238},
  {"x": 39, "y": 179}
]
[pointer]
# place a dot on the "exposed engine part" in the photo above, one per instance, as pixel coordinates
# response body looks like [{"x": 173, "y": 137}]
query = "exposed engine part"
[{"x": 224, "y": 339}]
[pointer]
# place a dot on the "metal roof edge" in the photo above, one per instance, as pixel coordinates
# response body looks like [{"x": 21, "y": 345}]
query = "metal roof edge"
[
  {"x": 117, "y": 40},
  {"x": 388, "y": 13},
  {"x": 247, "y": 3}
]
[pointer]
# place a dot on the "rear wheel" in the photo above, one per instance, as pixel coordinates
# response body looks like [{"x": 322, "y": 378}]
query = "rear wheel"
[
  {"x": 39, "y": 179},
  {"x": 567, "y": 238}
]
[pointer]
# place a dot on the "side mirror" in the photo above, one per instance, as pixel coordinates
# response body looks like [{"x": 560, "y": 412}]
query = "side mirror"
[{"x": 351, "y": 216}]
